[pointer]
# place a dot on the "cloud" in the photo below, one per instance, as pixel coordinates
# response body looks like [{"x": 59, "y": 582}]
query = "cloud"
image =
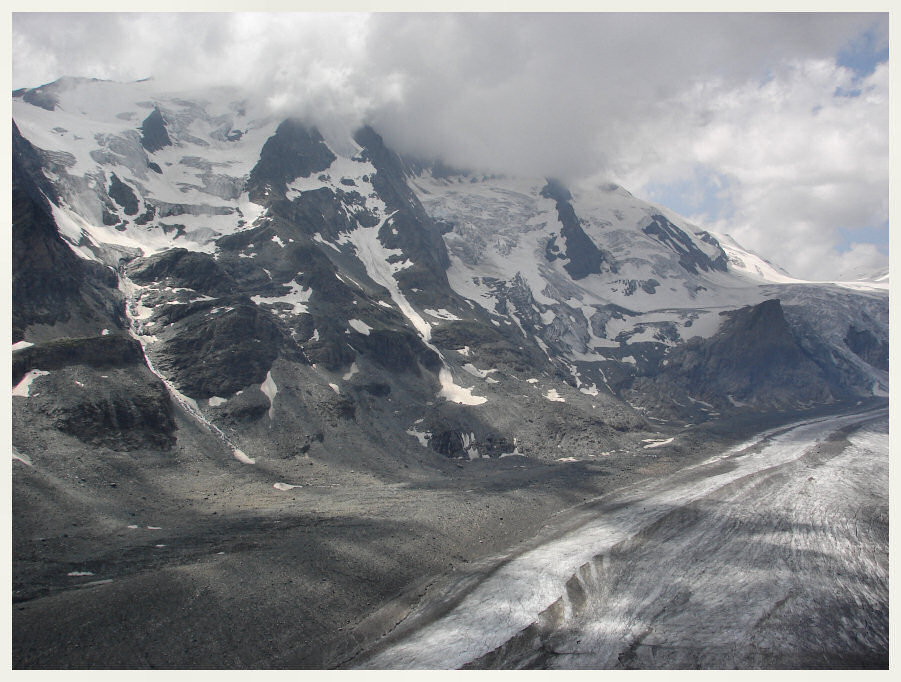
[
  {"x": 740, "y": 106},
  {"x": 797, "y": 165}
]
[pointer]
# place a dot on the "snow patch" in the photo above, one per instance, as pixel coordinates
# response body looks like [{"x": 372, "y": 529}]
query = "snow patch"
[
  {"x": 353, "y": 370},
  {"x": 657, "y": 443},
  {"x": 270, "y": 389},
  {"x": 553, "y": 396},
  {"x": 457, "y": 394},
  {"x": 360, "y": 326},
  {"x": 23, "y": 387},
  {"x": 241, "y": 457},
  {"x": 21, "y": 345},
  {"x": 285, "y": 486},
  {"x": 297, "y": 298},
  {"x": 216, "y": 401},
  {"x": 25, "y": 459},
  {"x": 421, "y": 436},
  {"x": 78, "y": 574},
  {"x": 335, "y": 388},
  {"x": 442, "y": 314},
  {"x": 476, "y": 372}
]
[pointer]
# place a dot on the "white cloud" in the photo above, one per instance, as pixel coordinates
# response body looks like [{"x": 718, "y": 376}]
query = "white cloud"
[{"x": 799, "y": 163}]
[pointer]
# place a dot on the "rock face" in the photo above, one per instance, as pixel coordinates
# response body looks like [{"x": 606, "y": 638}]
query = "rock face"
[
  {"x": 753, "y": 360},
  {"x": 100, "y": 391},
  {"x": 123, "y": 413},
  {"x": 584, "y": 257},
  {"x": 154, "y": 135},
  {"x": 867, "y": 347},
  {"x": 51, "y": 286},
  {"x": 99, "y": 352}
]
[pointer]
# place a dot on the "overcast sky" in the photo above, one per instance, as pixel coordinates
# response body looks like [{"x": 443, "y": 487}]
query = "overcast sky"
[{"x": 770, "y": 127}]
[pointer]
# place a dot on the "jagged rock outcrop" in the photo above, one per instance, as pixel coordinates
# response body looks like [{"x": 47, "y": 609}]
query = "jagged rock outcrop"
[
  {"x": 691, "y": 257},
  {"x": 583, "y": 256},
  {"x": 294, "y": 151},
  {"x": 154, "y": 135}
]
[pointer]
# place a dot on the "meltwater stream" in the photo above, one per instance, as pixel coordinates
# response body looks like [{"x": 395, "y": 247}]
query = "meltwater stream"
[{"x": 773, "y": 555}]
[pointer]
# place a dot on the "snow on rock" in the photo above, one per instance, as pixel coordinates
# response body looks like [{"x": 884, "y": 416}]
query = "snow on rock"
[
  {"x": 350, "y": 373},
  {"x": 375, "y": 258},
  {"x": 476, "y": 372},
  {"x": 241, "y": 457},
  {"x": 296, "y": 298},
  {"x": 442, "y": 314},
  {"x": 657, "y": 443},
  {"x": 553, "y": 396},
  {"x": 469, "y": 445},
  {"x": 457, "y": 394},
  {"x": 25, "y": 459},
  {"x": 422, "y": 436},
  {"x": 270, "y": 389},
  {"x": 22, "y": 389},
  {"x": 93, "y": 128},
  {"x": 360, "y": 326}
]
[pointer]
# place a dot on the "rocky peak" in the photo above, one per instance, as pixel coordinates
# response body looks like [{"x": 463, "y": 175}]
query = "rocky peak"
[
  {"x": 154, "y": 135},
  {"x": 294, "y": 151}
]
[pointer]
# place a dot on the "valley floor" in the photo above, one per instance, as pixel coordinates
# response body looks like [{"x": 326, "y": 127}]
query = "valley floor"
[{"x": 221, "y": 571}]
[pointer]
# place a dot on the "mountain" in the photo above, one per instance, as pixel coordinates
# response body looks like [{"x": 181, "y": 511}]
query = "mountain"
[
  {"x": 249, "y": 256},
  {"x": 199, "y": 285}
]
